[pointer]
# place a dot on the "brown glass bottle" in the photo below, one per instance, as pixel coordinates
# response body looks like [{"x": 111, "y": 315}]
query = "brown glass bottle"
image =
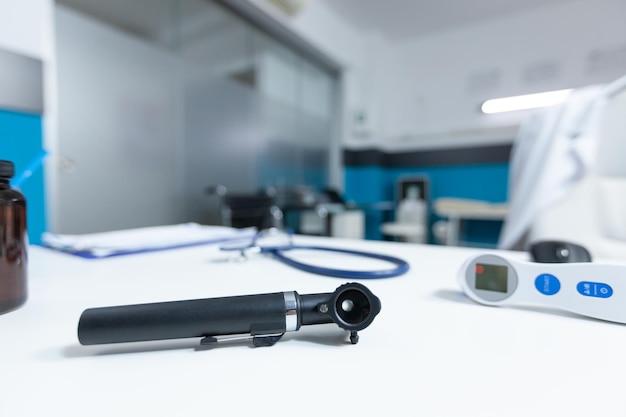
[{"x": 13, "y": 242}]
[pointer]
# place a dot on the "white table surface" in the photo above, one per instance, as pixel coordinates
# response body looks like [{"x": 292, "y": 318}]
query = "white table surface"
[{"x": 430, "y": 352}]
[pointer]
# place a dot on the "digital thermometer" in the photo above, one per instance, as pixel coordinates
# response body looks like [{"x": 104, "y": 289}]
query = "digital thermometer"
[{"x": 590, "y": 289}]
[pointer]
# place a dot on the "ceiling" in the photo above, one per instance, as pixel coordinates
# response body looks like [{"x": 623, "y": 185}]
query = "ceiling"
[
  {"x": 410, "y": 18},
  {"x": 397, "y": 19}
]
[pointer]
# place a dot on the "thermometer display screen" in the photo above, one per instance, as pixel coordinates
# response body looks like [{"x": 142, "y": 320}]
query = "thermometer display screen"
[{"x": 491, "y": 277}]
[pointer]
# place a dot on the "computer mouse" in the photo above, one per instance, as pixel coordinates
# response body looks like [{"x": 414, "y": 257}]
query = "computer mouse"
[{"x": 554, "y": 251}]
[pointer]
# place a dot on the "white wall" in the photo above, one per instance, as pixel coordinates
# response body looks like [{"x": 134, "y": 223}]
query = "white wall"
[
  {"x": 26, "y": 27},
  {"x": 427, "y": 91},
  {"x": 341, "y": 42},
  {"x": 354, "y": 50},
  {"x": 434, "y": 85}
]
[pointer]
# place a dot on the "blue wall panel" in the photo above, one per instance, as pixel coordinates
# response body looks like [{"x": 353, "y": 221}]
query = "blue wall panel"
[
  {"x": 366, "y": 186},
  {"x": 21, "y": 142},
  {"x": 487, "y": 182}
]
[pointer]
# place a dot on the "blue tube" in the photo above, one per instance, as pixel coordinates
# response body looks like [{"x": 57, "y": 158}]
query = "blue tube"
[
  {"x": 400, "y": 268},
  {"x": 29, "y": 170}
]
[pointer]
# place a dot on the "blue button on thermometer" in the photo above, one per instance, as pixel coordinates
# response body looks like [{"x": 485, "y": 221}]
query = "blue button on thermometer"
[{"x": 586, "y": 288}]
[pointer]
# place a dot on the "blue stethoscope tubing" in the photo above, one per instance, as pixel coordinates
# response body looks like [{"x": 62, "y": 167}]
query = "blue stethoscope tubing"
[{"x": 401, "y": 266}]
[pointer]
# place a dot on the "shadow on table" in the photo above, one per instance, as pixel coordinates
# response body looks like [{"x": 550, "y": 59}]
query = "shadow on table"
[
  {"x": 460, "y": 297},
  {"x": 324, "y": 334}
]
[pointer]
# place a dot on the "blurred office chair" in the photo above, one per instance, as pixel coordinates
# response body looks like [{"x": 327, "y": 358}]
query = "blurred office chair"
[
  {"x": 587, "y": 206},
  {"x": 248, "y": 210}
]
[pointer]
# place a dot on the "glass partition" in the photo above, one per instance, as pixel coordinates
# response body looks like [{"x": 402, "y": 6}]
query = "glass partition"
[{"x": 157, "y": 106}]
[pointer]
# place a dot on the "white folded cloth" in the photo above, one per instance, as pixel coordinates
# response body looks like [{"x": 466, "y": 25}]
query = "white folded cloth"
[{"x": 117, "y": 242}]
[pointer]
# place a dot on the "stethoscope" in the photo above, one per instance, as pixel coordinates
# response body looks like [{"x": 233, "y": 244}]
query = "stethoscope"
[{"x": 278, "y": 253}]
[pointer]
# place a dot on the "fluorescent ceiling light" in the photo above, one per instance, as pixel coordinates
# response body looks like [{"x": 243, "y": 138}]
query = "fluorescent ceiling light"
[{"x": 525, "y": 102}]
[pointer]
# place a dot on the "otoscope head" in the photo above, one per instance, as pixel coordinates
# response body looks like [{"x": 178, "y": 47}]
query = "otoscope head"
[{"x": 353, "y": 307}]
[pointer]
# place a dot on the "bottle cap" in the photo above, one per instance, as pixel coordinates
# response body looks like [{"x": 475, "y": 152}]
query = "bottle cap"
[{"x": 7, "y": 169}]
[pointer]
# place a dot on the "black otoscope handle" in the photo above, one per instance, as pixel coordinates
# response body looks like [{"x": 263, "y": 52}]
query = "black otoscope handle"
[{"x": 352, "y": 306}]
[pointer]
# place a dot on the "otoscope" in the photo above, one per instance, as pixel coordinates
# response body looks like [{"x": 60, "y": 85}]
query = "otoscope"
[{"x": 262, "y": 317}]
